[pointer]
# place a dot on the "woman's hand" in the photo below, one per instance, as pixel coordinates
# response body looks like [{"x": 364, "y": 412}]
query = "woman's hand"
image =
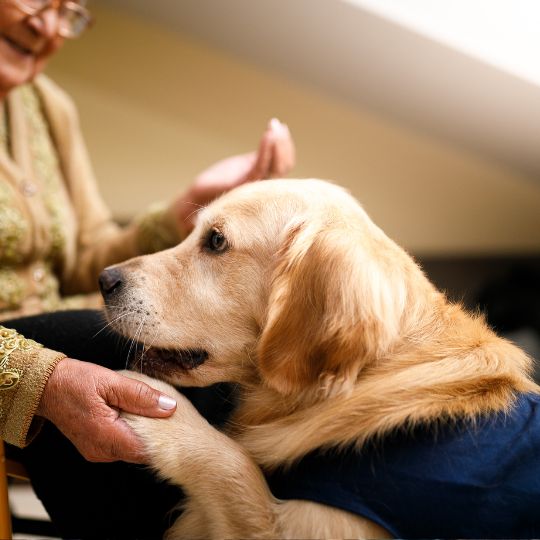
[
  {"x": 275, "y": 157},
  {"x": 84, "y": 400}
]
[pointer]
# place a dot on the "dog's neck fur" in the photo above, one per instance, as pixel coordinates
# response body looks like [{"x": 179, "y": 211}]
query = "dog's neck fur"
[{"x": 461, "y": 371}]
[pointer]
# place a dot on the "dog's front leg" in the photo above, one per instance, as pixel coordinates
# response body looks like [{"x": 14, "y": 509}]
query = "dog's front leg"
[{"x": 227, "y": 493}]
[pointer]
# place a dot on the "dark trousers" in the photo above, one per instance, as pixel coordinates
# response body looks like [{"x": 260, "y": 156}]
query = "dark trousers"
[{"x": 100, "y": 500}]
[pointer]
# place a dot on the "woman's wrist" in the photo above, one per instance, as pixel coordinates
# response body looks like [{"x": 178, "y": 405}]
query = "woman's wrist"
[{"x": 50, "y": 391}]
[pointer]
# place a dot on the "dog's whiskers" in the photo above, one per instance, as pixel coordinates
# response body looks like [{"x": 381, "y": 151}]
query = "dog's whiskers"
[
  {"x": 134, "y": 339},
  {"x": 200, "y": 206},
  {"x": 110, "y": 323},
  {"x": 145, "y": 349},
  {"x": 195, "y": 211}
]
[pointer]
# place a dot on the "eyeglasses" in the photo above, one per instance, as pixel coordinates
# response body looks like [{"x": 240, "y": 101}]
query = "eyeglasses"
[{"x": 73, "y": 17}]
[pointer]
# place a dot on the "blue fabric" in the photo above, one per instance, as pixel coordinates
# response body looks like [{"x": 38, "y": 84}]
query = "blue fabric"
[{"x": 460, "y": 481}]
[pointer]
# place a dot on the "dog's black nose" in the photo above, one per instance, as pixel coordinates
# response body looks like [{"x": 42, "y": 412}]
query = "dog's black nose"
[{"x": 110, "y": 281}]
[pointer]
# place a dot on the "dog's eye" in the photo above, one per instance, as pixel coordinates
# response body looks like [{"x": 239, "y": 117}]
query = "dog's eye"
[{"x": 216, "y": 241}]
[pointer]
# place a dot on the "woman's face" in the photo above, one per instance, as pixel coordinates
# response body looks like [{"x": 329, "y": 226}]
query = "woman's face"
[{"x": 26, "y": 43}]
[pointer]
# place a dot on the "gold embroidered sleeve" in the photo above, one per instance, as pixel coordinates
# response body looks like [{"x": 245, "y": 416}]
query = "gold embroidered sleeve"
[
  {"x": 155, "y": 230},
  {"x": 25, "y": 367}
]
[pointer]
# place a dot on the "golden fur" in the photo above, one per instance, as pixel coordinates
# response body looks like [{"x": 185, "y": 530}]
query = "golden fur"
[{"x": 333, "y": 333}]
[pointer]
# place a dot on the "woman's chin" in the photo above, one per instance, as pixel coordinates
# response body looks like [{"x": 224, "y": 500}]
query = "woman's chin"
[
  {"x": 13, "y": 76},
  {"x": 16, "y": 68}
]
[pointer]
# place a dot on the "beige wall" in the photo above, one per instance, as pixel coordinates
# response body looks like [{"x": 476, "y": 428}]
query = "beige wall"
[{"x": 157, "y": 107}]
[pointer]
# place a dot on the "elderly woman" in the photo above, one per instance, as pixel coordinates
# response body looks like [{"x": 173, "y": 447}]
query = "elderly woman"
[{"x": 55, "y": 237}]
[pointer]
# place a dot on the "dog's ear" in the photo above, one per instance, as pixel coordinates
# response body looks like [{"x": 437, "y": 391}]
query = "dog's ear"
[{"x": 335, "y": 305}]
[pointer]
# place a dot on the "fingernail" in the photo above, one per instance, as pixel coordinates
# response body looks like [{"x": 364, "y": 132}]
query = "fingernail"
[
  {"x": 275, "y": 123},
  {"x": 166, "y": 403}
]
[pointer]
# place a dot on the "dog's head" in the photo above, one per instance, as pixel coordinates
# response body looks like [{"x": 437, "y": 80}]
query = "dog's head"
[{"x": 287, "y": 281}]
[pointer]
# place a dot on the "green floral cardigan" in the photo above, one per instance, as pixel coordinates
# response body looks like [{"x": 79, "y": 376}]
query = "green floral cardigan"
[{"x": 56, "y": 235}]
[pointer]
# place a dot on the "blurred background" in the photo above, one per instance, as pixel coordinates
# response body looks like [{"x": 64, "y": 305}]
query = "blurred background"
[
  {"x": 402, "y": 102},
  {"x": 427, "y": 110}
]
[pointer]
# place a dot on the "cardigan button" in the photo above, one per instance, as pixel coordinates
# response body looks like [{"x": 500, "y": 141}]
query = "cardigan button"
[
  {"x": 28, "y": 188},
  {"x": 38, "y": 274}
]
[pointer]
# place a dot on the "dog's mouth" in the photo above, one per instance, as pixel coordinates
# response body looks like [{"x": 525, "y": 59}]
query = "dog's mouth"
[{"x": 155, "y": 360}]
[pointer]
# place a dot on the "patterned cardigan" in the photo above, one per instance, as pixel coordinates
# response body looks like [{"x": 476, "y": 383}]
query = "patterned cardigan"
[{"x": 56, "y": 235}]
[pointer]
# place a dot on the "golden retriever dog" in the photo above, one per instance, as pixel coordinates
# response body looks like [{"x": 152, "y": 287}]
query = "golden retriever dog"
[{"x": 381, "y": 408}]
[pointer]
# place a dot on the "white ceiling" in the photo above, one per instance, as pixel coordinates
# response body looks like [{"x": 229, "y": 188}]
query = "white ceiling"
[
  {"x": 376, "y": 54},
  {"x": 503, "y": 33}
]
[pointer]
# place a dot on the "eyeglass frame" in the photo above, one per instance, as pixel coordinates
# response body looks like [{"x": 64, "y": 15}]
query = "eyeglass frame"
[{"x": 55, "y": 4}]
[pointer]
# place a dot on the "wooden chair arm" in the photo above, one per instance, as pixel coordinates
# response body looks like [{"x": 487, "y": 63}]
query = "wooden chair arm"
[{"x": 5, "y": 516}]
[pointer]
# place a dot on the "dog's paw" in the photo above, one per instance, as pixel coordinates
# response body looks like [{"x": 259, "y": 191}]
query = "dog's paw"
[
  {"x": 161, "y": 436},
  {"x": 161, "y": 450},
  {"x": 152, "y": 432},
  {"x": 168, "y": 442}
]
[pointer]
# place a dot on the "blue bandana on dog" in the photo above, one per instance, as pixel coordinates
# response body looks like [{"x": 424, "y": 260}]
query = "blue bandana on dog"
[{"x": 478, "y": 480}]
